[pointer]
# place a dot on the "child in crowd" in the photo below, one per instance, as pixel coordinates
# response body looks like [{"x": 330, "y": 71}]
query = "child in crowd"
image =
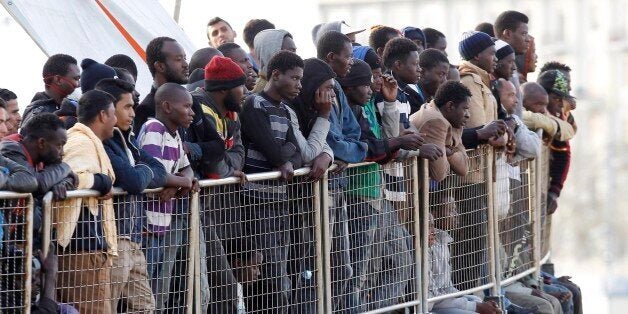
[{"x": 167, "y": 220}]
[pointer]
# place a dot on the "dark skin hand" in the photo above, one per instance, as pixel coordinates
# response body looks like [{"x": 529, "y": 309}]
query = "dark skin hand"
[
  {"x": 389, "y": 88},
  {"x": 107, "y": 196},
  {"x": 430, "y": 152},
  {"x": 494, "y": 129},
  {"x": 320, "y": 164},
  {"x": 287, "y": 171},
  {"x": 449, "y": 151},
  {"x": 241, "y": 175},
  {"x": 59, "y": 191},
  {"x": 561, "y": 296},
  {"x": 409, "y": 140},
  {"x": 185, "y": 191},
  {"x": 341, "y": 166},
  {"x": 322, "y": 102},
  {"x": 489, "y": 307},
  {"x": 168, "y": 193}
]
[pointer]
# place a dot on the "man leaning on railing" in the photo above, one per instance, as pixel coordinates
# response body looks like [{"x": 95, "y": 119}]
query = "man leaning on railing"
[
  {"x": 137, "y": 171},
  {"x": 85, "y": 227}
]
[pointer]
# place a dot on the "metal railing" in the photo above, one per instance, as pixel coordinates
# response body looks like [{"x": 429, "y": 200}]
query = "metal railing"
[{"x": 356, "y": 242}]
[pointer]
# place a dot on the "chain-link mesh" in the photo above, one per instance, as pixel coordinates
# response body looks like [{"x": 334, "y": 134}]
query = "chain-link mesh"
[
  {"x": 372, "y": 245},
  {"x": 543, "y": 181},
  {"x": 459, "y": 208},
  {"x": 513, "y": 207},
  {"x": 142, "y": 268},
  {"x": 261, "y": 248},
  {"x": 263, "y": 244},
  {"x": 16, "y": 262}
]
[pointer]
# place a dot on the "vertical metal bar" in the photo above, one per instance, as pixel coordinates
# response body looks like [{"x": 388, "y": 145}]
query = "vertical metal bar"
[
  {"x": 193, "y": 218},
  {"x": 425, "y": 233},
  {"x": 326, "y": 243},
  {"x": 416, "y": 213},
  {"x": 28, "y": 271},
  {"x": 318, "y": 234},
  {"x": 493, "y": 259},
  {"x": 47, "y": 223},
  {"x": 537, "y": 240}
]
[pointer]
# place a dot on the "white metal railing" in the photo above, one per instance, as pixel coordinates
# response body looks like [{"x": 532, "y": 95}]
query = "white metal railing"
[{"x": 311, "y": 223}]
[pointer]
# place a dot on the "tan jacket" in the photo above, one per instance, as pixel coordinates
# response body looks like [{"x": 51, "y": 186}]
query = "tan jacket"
[
  {"x": 438, "y": 131},
  {"x": 482, "y": 104},
  {"x": 86, "y": 156},
  {"x": 556, "y": 128}
]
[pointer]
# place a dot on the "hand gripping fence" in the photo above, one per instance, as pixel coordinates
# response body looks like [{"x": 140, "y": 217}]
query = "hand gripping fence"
[{"x": 372, "y": 239}]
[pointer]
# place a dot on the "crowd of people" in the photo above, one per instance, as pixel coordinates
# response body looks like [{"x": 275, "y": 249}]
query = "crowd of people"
[{"x": 231, "y": 112}]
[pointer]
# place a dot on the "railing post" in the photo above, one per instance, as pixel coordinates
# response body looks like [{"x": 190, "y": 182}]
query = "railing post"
[
  {"x": 424, "y": 226},
  {"x": 493, "y": 226},
  {"x": 193, "y": 256},
  {"x": 326, "y": 235},
  {"x": 536, "y": 211},
  {"x": 319, "y": 228},
  {"x": 28, "y": 264},
  {"x": 418, "y": 248}
]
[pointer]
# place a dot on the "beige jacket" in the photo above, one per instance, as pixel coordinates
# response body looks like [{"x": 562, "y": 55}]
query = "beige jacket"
[
  {"x": 482, "y": 104},
  {"x": 86, "y": 156},
  {"x": 438, "y": 131}
]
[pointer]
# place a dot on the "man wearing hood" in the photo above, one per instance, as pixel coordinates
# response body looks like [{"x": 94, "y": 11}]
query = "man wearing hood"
[
  {"x": 267, "y": 43},
  {"x": 138, "y": 171}
]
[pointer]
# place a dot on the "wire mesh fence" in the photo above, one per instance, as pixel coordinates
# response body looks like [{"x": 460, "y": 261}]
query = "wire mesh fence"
[
  {"x": 260, "y": 242},
  {"x": 543, "y": 181},
  {"x": 459, "y": 249},
  {"x": 514, "y": 205},
  {"x": 16, "y": 253},
  {"x": 341, "y": 244},
  {"x": 129, "y": 254}
]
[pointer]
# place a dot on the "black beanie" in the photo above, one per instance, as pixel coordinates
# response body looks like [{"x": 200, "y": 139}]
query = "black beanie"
[
  {"x": 315, "y": 73},
  {"x": 93, "y": 72},
  {"x": 359, "y": 75}
]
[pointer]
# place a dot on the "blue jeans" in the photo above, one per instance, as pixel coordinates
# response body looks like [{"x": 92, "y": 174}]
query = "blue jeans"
[
  {"x": 567, "y": 305},
  {"x": 161, "y": 257}
]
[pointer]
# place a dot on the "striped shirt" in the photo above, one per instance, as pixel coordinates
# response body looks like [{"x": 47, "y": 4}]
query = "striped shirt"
[
  {"x": 157, "y": 141},
  {"x": 269, "y": 143}
]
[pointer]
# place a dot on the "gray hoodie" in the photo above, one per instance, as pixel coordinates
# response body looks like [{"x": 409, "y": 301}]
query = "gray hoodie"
[{"x": 267, "y": 43}]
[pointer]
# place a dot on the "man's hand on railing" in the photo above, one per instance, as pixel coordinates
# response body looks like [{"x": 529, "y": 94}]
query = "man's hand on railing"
[
  {"x": 287, "y": 172},
  {"x": 107, "y": 196},
  {"x": 168, "y": 193},
  {"x": 241, "y": 175},
  {"x": 183, "y": 192},
  {"x": 341, "y": 166},
  {"x": 319, "y": 166},
  {"x": 430, "y": 152}
]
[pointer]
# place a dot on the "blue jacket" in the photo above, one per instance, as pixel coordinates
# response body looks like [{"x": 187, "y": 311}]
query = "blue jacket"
[
  {"x": 147, "y": 172},
  {"x": 344, "y": 134}
]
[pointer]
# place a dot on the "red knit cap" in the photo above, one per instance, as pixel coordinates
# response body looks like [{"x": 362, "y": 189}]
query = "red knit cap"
[{"x": 222, "y": 73}]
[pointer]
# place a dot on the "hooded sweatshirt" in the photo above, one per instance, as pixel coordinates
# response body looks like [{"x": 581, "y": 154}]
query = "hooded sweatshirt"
[
  {"x": 267, "y": 43},
  {"x": 311, "y": 138}
]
